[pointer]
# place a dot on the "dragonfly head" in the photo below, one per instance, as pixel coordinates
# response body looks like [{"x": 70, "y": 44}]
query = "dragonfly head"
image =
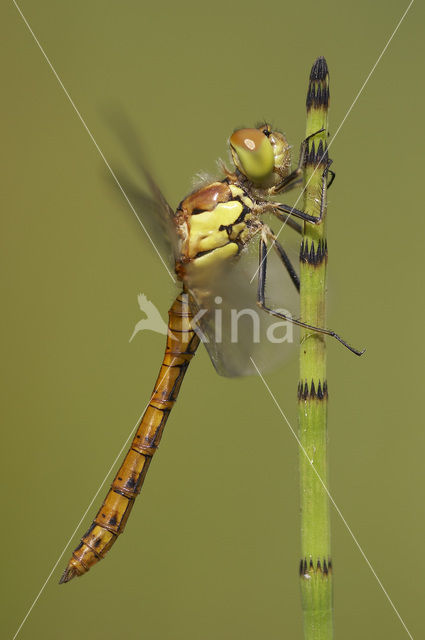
[{"x": 261, "y": 155}]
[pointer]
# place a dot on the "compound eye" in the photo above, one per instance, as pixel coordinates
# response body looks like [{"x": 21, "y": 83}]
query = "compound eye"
[{"x": 253, "y": 153}]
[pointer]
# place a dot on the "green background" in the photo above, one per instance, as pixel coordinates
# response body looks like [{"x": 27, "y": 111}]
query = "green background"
[{"x": 212, "y": 547}]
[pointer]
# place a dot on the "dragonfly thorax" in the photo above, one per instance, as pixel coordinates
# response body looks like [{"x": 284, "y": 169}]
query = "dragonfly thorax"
[{"x": 214, "y": 223}]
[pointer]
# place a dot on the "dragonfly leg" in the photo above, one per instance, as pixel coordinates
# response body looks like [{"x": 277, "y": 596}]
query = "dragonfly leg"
[
  {"x": 295, "y": 176},
  {"x": 333, "y": 176},
  {"x": 283, "y": 257},
  {"x": 297, "y": 179},
  {"x": 261, "y": 301},
  {"x": 278, "y": 208},
  {"x": 296, "y": 226},
  {"x": 290, "y": 210}
]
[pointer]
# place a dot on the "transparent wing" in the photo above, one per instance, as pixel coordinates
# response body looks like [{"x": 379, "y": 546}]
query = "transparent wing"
[
  {"x": 235, "y": 331},
  {"x": 152, "y": 210},
  {"x": 144, "y": 194}
]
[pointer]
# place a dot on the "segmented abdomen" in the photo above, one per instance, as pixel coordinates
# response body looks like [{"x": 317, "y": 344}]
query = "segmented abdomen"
[{"x": 115, "y": 510}]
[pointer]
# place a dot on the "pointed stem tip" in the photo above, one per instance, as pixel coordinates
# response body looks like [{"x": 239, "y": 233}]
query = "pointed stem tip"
[
  {"x": 319, "y": 70},
  {"x": 318, "y": 87}
]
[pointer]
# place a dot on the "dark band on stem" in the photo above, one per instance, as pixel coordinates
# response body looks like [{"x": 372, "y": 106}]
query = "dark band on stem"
[
  {"x": 312, "y": 255},
  {"x": 306, "y": 392},
  {"x": 317, "y": 157},
  {"x": 307, "y": 567}
]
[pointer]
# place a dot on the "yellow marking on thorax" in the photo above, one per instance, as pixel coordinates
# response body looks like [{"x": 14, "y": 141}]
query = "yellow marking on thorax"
[
  {"x": 238, "y": 192},
  {"x": 241, "y": 228},
  {"x": 204, "y": 227},
  {"x": 218, "y": 255}
]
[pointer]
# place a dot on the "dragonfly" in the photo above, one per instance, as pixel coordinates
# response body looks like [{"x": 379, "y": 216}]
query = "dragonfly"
[{"x": 210, "y": 231}]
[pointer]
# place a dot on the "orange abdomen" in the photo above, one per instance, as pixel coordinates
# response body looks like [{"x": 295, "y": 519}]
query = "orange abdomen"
[{"x": 115, "y": 510}]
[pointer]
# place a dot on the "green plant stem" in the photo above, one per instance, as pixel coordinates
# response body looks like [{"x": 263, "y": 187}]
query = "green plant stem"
[{"x": 315, "y": 565}]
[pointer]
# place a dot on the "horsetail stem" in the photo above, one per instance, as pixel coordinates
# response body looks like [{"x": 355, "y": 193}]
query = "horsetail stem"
[{"x": 315, "y": 564}]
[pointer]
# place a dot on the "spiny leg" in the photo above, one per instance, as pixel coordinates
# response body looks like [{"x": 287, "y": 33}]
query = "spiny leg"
[
  {"x": 286, "y": 219},
  {"x": 261, "y": 300},
  {"x": 296, "y": 226},
  {"x": 333, "y": 175},
  {"x": 295, "y": 176},
  {"x": 283, "y": 257},
  {"x": 277, "y": 208},
  {"x": 297, "y": 181}
]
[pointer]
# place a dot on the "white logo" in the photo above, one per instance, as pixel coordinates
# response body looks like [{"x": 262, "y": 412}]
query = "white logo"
[
  {"x": 153, "y": 320},
  {"x": 274, "y": 333}
]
